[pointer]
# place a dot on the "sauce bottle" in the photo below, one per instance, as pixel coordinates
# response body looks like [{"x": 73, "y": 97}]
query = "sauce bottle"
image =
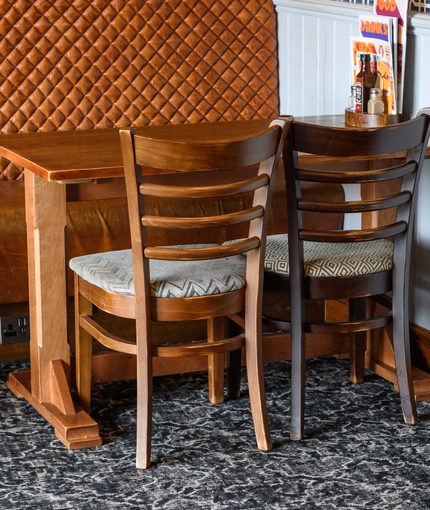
[{"x": 365, "y": 81}]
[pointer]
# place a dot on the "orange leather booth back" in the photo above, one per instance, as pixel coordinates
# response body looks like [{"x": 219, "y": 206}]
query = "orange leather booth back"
[{"x": 81, "y": 64}]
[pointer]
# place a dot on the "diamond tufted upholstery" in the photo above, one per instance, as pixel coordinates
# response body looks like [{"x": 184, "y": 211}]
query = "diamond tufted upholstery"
[{"x": 93, "y": 64}]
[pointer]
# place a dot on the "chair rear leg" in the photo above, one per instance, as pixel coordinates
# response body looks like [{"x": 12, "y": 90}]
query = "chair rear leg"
[
  {"x": 144, "y": 396},
  {"x": 298, "y": 367},
  {"x": 233, "y": 374},
  {"x": 216, "y": 329},
  {"x": 83, "y": 350},
  {"x": 235, "y": 326},
  {"x": 255, "y": 376},
  {"x": 357, "y": 344},
  {"x": 403, "y": 360}
]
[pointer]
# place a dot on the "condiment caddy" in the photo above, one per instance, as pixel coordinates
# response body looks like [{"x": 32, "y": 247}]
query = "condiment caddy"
[{"x": 366, "y": 105}]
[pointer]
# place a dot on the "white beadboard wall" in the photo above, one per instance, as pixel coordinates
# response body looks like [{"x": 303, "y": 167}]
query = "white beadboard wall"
[
  {"x": 315, "y": 62},
  {"x": 315, "y": 79}
]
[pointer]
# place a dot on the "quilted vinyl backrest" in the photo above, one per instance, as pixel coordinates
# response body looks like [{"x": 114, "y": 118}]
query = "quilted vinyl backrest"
[{"x": 77, "y": 64}]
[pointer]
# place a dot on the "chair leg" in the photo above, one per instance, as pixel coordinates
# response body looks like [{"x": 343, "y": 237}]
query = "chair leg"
[
  {"x": 298, "y": 356},
  {"x": 83, "y": 351},
  {"x": 233, "y": 374},
  {"x": 403, "y": 359},
  {"x": 144, "y": 397},
  {"x": 216, "y": 362},
  {"x": 357, "y": 347},
  {"x": 255, "y": 375},
  {"x": 298, "y": 367}
]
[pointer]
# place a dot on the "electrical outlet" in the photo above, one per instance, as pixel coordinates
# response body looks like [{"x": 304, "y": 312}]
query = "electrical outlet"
[{"x": 14, "y": 328}]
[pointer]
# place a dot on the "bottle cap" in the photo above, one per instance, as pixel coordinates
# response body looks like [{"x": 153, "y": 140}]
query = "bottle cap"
[{"x": 375, "y": 92}]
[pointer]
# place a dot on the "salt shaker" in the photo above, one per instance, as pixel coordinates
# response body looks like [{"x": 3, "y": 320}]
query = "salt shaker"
[
  {"x": 375, "y": 104},
  {"x": 352, "y": 98}
]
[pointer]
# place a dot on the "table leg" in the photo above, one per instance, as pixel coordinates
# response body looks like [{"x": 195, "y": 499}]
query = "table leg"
[
  {"x": 380, "y": 353},
  {"x": 47, "y": 384}
]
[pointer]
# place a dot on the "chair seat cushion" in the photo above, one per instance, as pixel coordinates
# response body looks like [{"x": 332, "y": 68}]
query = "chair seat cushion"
[
  {"x": 113, "y": 271},
  {"x": 331, "y": 259}
]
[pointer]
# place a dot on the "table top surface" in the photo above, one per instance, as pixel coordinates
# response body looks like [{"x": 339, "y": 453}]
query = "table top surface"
[
  {"x": 96, "y": 153},
  {"x": 73, "y": 155}
]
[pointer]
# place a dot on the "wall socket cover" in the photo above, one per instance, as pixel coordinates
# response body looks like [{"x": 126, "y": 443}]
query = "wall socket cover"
[{"x": 14, "y": 328}]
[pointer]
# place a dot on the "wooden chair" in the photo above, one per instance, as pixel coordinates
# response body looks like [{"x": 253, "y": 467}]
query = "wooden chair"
[
  {"x": 355, "y": 264},
  {"x": 191, "y": 281}
]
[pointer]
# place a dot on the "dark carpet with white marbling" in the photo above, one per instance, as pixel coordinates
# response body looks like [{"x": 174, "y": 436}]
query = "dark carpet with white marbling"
[{"x": 358, "y": 453}]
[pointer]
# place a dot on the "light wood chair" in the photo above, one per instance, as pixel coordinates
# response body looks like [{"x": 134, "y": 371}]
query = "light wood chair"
[
  {"x": 355, "y": 264},
  {"x": 191, "y": 281}
]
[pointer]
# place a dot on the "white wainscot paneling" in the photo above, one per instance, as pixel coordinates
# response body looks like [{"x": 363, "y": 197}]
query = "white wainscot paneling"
[
  {"x": 314, "y": 57},
  {"x": 315, "y": 62}
]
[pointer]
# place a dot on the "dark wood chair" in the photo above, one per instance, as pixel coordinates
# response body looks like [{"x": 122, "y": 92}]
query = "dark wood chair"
[
  {"x": 192, "y": 281},
  {"x": 353, "y": 265}
]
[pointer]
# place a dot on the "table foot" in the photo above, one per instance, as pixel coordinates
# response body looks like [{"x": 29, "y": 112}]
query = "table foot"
[
  {"x": 421, "y": 379},
  {"x": 73, "y": 426}
]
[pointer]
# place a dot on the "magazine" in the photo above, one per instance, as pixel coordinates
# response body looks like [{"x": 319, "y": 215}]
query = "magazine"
[
  {"x": 382, "y": 61},
  {"x": 384, "y": 28},
  {"x": 378, "y": 27},
  {"x": 396, "y": 9}
]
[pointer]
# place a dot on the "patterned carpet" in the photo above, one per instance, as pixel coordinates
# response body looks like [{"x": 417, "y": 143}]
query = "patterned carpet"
[{"x": 358, "y": 453}]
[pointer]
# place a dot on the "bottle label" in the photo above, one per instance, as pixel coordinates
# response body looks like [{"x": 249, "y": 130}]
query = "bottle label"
[{"x": 359, "y": 97}]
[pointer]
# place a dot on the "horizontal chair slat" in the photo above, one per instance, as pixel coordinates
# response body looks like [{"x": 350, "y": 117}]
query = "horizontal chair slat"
[
  {"x": 203, "y": 221},
  {"x": 350, "y": 327},
  {"x": 212, "y": 252},
  {"x": 105, "y": 338},
  {"x": 355, "y": 206},
  {"x": 349, "y": 236},
  {"x": 199, "y": 348},
  {"x": 383, "y": 174},
  {"x": 234, "y": 188}
]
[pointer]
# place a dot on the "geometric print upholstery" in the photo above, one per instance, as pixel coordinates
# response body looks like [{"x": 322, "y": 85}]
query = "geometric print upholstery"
[
  {"x": 88, "y": 64},
  {"x": 113, "y": 271},
  {"x": 331, "y": 259}
]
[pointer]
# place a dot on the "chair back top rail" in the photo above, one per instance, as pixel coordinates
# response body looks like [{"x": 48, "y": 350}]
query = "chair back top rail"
[
  {"x": 403, "y": 146},
  {"x": 188, "y": 156},
  {"x": 358, "y": 142}
]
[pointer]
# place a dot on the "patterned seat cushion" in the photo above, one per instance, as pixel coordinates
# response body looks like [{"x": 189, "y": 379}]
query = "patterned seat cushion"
[
  {"x": 331, "y": 259},
  {"x": 112, "y": 271}
]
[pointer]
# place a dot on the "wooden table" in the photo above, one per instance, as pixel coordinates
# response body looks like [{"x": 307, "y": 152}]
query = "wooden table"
[{"x": 50, "y": 161}]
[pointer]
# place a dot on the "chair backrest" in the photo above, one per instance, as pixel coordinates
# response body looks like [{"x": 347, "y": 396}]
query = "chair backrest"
[
  {"x": 390, "y": 155},
  {"x": 259, "y": 153}
]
